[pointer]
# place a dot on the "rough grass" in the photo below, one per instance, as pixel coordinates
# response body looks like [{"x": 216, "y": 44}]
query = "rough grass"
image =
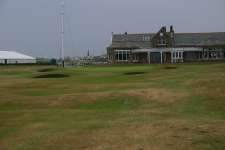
[{"x": 139, "y": 107}]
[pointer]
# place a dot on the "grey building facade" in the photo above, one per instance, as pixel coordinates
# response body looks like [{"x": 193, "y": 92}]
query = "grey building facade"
[{"x": 166, "y": 47}]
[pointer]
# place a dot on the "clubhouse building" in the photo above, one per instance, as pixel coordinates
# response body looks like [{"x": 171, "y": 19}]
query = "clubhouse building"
[{"x": 166, "y": 47}]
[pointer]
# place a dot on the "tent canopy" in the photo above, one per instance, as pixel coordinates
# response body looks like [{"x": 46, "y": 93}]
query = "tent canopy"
[{"x": 13, "y": 55}]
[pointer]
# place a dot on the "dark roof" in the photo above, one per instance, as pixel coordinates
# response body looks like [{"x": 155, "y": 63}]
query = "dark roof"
[
  {"x": 181, "y": 39},
  {"x": 131, "y": 45},
  {"x": 132, "y": 40},
  {"x": 200, "y": 39},
  {"x": 131, "y": 37}
]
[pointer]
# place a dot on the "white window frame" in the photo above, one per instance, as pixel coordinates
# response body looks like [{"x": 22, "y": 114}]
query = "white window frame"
[{"x": 122, "y": 52}]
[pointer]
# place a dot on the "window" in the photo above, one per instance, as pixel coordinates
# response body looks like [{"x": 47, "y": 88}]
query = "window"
[
  {"x": 122, "y": 55},
  {"x": 177, "y": 54},
  {"x": 174, "y": 54},
  {"x": 116, "y": 56},
  {"x": 162, "y": 41},
  {"x": 146, "y": 38}
]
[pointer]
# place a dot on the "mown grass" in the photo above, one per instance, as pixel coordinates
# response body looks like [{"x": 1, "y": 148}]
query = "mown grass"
[{"x": 120, "y": 107}]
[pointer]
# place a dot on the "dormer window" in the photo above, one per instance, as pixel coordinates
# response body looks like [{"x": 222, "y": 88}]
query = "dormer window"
[
  {"x": 161, "y": 34},
  {"x": 146, "y": 38}
]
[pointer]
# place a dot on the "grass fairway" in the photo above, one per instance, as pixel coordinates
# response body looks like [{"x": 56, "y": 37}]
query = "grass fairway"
[{"x": 156, "y": 107}]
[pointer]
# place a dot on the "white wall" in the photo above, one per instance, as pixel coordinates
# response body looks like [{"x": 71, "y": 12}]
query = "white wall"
[{"x": 18, "y": 61}]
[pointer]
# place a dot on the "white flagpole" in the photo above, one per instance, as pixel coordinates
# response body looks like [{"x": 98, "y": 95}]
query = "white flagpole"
[{"x": 62, "y": 13}]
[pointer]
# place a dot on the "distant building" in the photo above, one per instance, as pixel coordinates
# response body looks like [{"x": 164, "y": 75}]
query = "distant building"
[
  {"x": 166, "y": 47},
  {"x": 10, "y": 57}
]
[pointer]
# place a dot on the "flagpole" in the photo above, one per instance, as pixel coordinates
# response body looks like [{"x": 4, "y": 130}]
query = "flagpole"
[{"x": 62, "y": 13}]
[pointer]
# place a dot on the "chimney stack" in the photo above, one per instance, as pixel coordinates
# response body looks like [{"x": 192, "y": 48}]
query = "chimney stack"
[
  {"x": 171, "y": 29},
  {"x": 172, "y": 35},
  {"x": 163, "y": 29}
]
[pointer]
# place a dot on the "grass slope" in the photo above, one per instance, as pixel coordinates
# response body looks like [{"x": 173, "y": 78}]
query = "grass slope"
[{"x": 145, "y": 107}]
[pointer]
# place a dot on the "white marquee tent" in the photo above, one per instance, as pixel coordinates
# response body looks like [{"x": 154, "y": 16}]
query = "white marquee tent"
[{"x": 10, "y": 57}]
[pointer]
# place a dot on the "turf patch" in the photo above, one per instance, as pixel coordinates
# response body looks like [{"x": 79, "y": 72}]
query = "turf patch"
[
  {"x": 53, "y": 75},
  {"x": 134, "y": 73},
  {"x": 47, "y": 70},
  {"x": 170, "y": 67}
]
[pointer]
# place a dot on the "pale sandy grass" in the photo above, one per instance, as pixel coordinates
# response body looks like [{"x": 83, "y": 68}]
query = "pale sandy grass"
[
  {"x": 147, "y": 95},
  {"x": 168, "y": 134}
]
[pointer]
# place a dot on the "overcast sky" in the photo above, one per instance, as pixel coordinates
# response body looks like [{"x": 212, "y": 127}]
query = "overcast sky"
[{"x": 32, "y": 26}]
